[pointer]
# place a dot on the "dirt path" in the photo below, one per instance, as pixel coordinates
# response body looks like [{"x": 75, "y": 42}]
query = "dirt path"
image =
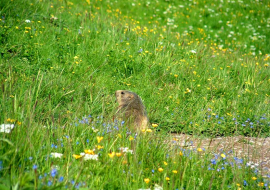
[{"x": 255, "y": 150}]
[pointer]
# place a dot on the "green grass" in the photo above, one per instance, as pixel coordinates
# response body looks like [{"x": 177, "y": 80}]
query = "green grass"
[{"x": 201, "y": 68}]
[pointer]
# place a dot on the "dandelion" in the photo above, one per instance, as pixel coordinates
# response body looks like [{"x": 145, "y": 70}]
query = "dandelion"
[
  {"x": 167, "y": 179},
  {"x": 130, "y": 138},
  {"x": 199, "y": 149},
  {"x": 160, "y": 169},
  {"x": 99, "y": 139},
  {"x": 146, "y": 180},
  {"x": 181, "y": 153},
  {"x": 165, "y": 163},
  {"x": 174, "y": 171}
]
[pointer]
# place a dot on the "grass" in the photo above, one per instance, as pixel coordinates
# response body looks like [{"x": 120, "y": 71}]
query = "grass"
[{"x": 201, "y": 68}]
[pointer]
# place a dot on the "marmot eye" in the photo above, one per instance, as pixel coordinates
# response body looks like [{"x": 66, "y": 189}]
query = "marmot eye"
[{"x": 122, "y": 93}]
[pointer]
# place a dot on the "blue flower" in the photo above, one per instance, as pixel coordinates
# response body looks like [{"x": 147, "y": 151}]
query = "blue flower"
[
  {"x": 49, "y": 183},
  {"x": 61, "y": 179},
  {"x": 54, "y": 172},
  {"x": 34, "y": 166}
]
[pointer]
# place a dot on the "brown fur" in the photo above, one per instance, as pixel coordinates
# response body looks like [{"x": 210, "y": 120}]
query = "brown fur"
[{"x": 131, "y": 109}]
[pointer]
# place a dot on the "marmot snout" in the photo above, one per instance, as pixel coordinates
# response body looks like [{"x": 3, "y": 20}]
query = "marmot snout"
[{"x": 131, "y": 109}]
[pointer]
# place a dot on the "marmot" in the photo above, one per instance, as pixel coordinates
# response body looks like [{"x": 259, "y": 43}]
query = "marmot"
[{"x": 131, "y": 109}]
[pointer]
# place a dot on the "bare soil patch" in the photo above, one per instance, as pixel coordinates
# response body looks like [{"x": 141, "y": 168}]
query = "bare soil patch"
[{"x": 255, "y": 150}]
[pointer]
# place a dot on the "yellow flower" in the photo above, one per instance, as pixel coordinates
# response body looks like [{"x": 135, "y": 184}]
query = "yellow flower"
[
  {"x": 143, "y": 130},
  {"x": 99, "y": 139},
  {"x": 175, "y": 75},
  {"x": 146, "y": 180},
  {"x": 254, "y": 178},
  {"x": 167, "y": 179},
  {"x": 112, "y": 154},
  {"x": 76, "y": 156},
  {"x": 223, "y": 155},
  {"x": 261, "y": 184},
  {"x": 154, "y": 125},
  {"x": 99, "y": 147},
  {"x": 88, "y": 151},
  {"x": 199, "y": 149},
  {"x": 149, "y": 130},
  {"x": 119, "y": 135},
  {"x": 165, "y": 163},
  {"x": 118, "y": 154},
  {"x": 181, "y": 153},
  {"x": 160, "y": 169},
  {"x": 131, "y": 138},
  {"x": 238, "y": 184},
  {"x": 174, "y": 171}
]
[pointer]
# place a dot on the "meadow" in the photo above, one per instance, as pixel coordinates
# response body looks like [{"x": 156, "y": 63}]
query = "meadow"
[{"x": 201, "y": 68}]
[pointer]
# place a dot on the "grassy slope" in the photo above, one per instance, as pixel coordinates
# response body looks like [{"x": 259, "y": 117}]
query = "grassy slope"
[{"x": 69, "y": 59}]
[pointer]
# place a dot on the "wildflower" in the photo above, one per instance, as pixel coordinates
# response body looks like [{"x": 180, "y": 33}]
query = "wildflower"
[
  {"x": 27, "y": 21},
  {"x": 99, "y": 147},
  {"x": 165, "y": 163},
  {"x": 199, "y": 149},
  {"x": 154, "y": 125},
  {"x": 76, "y": 156},
  {"x": 118, "y": 154},
  {"x": 181, "y": 153},
  {"x": 61, "y": 179},
  {"x": 112, "y": 154},
  {"x": 126, "y": 149},
  {"x": 223, "y": 156},
  {"x": 193, "y": 51},
  {"x": 149, "y": 130},
  {"x": 54, "y": 172},
  {"x": 261, "y": 184},
  {"x": 90, "y": 156},
  {"x": 34, "y": 167},
  {"x": 167, "y": 179},
  {"x": 99, "y": 139},
  {"x": 88, "y": 151},
  {"x": 146, "y": 180},
  {"x": 174, "y": 171},
  {"x": 254, "y": 178},
  {"x": 56, "y": 155},
  {"x": 131, "y": 138},
  {"x": 6, "y": 128}
]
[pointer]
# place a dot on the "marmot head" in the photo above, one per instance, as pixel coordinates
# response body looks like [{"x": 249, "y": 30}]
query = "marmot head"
[{"x": 124, "y": 97}]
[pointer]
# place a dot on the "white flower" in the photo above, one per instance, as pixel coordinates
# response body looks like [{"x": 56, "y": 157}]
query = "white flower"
[
  {"x": 56, "y": 155},
  {"x": 90, "y": 157},
  {"x": 126, "y": 149},
  {"x": 6, "y": 128},
  {"x": 157, "y": 187},
  {"x": 27, "y": 21},
  {"x": 193, "y": 51}
]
